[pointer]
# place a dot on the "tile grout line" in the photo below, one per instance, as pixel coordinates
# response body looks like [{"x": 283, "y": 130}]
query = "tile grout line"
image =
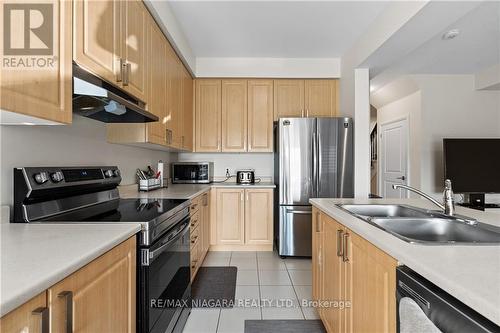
[
  {"x": 258, "y": 282},
  {"x": 295, "y": 291},
  {"x": 220, "y": 310}
]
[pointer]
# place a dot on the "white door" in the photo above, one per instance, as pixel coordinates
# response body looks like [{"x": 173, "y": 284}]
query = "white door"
[{"x": 394, "y": 158}]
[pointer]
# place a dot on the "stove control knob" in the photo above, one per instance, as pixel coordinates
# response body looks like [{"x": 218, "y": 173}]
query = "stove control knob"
[
  {"x": 57, "y": 176},
  {"x": 108, "y": 173},
  {"x": 41, "y": 177},
  {"x": 116, "y": 173}
]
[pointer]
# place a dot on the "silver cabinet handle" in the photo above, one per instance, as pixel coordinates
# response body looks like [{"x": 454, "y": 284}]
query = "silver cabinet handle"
[
  {"x": 307, "y": 112},
  {"x": 68, "y": 295},
  {"x": 126, "y": 70},
  {"x": 302, "y": 113},
  {"x": 318, "y": 229},
  {"x": 43, "y": 312},
  {"x": 345, "y": 256},
  {"x": 339, "y": 243},
  {"x": 119, "y": 76}
]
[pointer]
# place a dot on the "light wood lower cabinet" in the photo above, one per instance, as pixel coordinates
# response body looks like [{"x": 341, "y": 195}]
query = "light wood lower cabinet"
[
  {"x": 99, "y": 297},
  {"x": 199, "y": 230},
  {"x": 28, "y": 318},
  {"x": 348, "y": 268},
  {"x": 244, "y": 219},
  {"x": 44, "y": 93}
]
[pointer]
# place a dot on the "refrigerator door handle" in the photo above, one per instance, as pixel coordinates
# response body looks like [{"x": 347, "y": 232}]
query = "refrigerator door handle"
[{"x": 315, "y": 163}]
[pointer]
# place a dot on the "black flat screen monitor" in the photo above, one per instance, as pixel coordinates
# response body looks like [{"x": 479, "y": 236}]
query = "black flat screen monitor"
[{"x": 472, "y": 165}]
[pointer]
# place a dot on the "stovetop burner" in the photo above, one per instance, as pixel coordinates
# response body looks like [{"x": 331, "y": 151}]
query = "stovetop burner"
[{"x": 121, "y": 210}]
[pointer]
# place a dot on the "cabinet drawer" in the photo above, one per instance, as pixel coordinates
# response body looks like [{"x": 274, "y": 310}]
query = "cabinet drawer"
[
  {"x": 195, "y": 258},
  {"x": 195, "y": 236},
  {"x": 195, "y": 220},
  {"x": 195, "y": 205}
]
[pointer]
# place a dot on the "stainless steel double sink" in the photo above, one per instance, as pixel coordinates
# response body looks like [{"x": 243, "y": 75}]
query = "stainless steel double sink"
[{"x": 416, "y": 225}]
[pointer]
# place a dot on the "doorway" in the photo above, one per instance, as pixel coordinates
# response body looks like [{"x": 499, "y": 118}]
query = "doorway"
[{"x": 393, "y": 158}]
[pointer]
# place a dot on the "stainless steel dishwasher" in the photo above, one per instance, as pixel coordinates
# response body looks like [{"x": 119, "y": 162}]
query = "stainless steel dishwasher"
[{"x": 423, "y": 307}]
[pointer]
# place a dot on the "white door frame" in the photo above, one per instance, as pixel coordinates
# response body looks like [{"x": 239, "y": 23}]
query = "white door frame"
[{"x": 379, "y": 152}]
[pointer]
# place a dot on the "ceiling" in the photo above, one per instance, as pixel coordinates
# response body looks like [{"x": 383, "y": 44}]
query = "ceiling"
[
  {"x": 277, "y": 29},
  {"x": 477, "y": 47}
]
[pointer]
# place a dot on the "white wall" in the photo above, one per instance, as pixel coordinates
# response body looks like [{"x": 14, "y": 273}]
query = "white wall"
[
  {"x": 268, "y": 67},
  {"x": 82, "y": 143},
  {"x": 408, "y": 107},
  {"x": 449, "y": 107},
  {"x": 362, "y": 172},
  {"x": 452, "y": 108},
  {"x": 263, "y": 163}
]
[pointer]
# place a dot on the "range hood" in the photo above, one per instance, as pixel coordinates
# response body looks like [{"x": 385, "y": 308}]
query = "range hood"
[{"x": 99, "y": 100}]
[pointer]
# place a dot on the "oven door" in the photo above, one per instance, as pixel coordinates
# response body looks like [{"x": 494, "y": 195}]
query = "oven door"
[{"x": 164, "y": 281}]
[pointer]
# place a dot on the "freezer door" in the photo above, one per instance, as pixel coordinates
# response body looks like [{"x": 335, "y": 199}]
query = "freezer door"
[
  {"x": 295, "y": 231},
  {"x": 335, "y": 158},
  {"x": 296, "y": 146},
  {"x": 327, "y": 150}
]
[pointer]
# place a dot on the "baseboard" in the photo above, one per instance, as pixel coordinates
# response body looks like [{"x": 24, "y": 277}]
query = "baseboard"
[{"x": 241, "y": 247}]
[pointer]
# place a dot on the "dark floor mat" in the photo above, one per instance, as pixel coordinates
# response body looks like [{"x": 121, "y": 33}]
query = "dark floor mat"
[
  {"x": 284, "y": 326},
  {"x": 214, "y": 287}
]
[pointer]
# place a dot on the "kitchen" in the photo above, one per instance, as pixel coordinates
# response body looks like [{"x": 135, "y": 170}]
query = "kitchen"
[{"x": 221, "y": 134}]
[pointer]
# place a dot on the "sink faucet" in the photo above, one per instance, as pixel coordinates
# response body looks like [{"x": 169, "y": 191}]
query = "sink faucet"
[{"x": 449, "y": 202}]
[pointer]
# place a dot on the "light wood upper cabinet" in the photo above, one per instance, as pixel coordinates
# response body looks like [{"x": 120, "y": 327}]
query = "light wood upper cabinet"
[
  {"x": 101, "y": 294},
  {"x": 230, "y": 216},
  {"x": 208, "y": 115},
  {"x": 234, "y": 115},
  {"x": 188, "y": 111},
  {"x": 320, "y": 98},
  {"x": 157, "y": 85},
  {"x": 44, "y": 93},
  {"x": 135, "y": 21},
  {"x": 97, "y": 37},
  {"x": 28, "y": 318},
  {"x": 258, "y": 214},
  {"x": 288, "y": 98},
  {"x": 260, "y": 115}
]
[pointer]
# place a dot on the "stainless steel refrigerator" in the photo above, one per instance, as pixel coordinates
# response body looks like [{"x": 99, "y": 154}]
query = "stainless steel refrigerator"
[{"x": 313, "y": 159}]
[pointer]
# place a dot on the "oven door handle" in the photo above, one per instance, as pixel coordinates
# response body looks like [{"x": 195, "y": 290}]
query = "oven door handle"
[{"x": 149, "y": 256}]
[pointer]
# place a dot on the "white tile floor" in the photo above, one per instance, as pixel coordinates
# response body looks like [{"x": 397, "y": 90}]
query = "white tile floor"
[{"x": 283, "y": 283}]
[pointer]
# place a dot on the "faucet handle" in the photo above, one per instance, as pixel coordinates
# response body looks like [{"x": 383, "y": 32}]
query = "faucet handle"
[{"x": 447, "y": 184}]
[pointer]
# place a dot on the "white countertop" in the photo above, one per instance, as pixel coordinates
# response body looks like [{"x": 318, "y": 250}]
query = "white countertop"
[
  {"x": 36, "y": 256},
  {"x": 183, "y": 191},
  {"x": 471, "y": 273}
]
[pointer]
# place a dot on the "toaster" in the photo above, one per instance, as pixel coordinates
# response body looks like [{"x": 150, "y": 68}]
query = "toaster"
[{"x": 245, "y": 176}]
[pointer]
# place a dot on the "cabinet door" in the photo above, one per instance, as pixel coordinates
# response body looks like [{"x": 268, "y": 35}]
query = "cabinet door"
[
  {"x": 230, "y": 216},
  {"x": 97, "y": 38},
  {"x": 205, "y": 219},
  {"x": 259, "y": 216},
  {"x": 101, "y": 295},
  {"x": 288, "y": 98},
  {"x": 177, "y": 103},
  {"x": 188, "y": 111},
  {"x": 134, "y": 26},
  {"x": 234, "y": 115},
  {"x": 157, "y": 99},
  {"x": 320, "y": 98},
  {"x": 47, "y": 92},
  {"x": 28, "y": 318},
  {"x": 370, "y": 284},
  {"x": 332, "y": 274},
  {"x": 260, "y": 115},
  {"x": 208, "y": 115},
  {"x": 317, "y": 256}
]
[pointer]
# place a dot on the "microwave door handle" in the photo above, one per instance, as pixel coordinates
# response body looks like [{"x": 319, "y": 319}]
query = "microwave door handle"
[{"x": 153, "y": 254}]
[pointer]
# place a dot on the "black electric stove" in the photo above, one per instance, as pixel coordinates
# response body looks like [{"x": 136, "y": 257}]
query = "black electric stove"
[{"x": 90, "y": 195}]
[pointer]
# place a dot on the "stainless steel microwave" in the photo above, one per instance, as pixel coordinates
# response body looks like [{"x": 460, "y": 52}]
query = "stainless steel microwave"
[{"x": 192, "y": 172}]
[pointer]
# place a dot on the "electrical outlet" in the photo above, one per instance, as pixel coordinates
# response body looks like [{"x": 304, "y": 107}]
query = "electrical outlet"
[{"x": 228, "y": 174}]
